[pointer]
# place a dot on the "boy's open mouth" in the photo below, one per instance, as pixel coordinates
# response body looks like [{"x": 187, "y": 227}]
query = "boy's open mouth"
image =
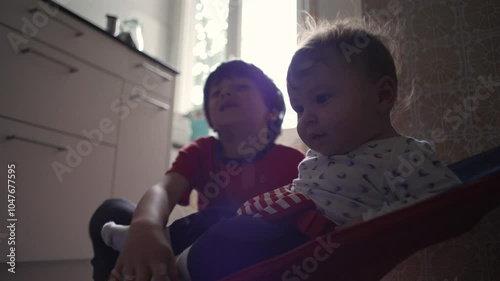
[{"x": 227, "y": 105}]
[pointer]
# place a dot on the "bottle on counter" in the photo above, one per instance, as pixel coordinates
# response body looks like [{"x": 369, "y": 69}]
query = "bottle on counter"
[
  {"x": 129, "y": 31},
  {"x": 133, "y": 28},
  {"x": 113, "y": 24}
]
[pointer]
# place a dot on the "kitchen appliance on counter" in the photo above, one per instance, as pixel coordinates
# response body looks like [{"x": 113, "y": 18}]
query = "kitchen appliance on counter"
[{"x": 129, "y": 31}]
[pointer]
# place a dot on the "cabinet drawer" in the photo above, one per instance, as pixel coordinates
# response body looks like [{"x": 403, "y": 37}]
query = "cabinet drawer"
[
  {"x": 45, "y": 87},
  {"x": 71, "y": 36},
  {"x": 52, "y": 26},
  {"x": 16, "y": 13},
  {"x": 53, "y": 208},
  {"x": 149, "y": 75},
  {"x": 143, "y": 150}
]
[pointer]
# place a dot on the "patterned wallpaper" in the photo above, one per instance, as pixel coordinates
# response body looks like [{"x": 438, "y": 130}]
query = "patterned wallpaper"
[
  {"x": 451, "y": 51},
  {"x": 451, "y": 48}
]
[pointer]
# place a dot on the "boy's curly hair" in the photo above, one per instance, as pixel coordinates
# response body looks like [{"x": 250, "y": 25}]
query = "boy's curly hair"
[{"x": 272, "y": 96}]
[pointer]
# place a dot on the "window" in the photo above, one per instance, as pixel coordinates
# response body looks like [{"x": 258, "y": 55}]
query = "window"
[
  {"x": 261, "y": 32},
  {"x": 269, "y": 39}
]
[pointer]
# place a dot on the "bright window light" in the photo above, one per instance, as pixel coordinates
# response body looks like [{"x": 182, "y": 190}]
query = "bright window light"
[{"x": 269, "y": 39}]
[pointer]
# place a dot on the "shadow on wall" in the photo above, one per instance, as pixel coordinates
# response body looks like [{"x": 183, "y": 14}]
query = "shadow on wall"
[{"x": 450, "y": 48}]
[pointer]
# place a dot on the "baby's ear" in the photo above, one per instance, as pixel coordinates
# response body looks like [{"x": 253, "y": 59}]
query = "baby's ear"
[
  {"x": 387, "y": 91},
  {"x": 272, "y": 116}
]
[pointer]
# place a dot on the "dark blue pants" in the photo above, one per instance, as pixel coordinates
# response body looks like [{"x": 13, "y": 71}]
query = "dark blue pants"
[
  {"x": 183, "y": 232},
  {"x": 222, "y": 243},
  {"x": 118, "y": 210},
  {"x": 235, "y": 243}
]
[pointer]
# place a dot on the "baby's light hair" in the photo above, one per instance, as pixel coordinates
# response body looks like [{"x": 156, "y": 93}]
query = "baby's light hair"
[{"x": 362, "y": 43}]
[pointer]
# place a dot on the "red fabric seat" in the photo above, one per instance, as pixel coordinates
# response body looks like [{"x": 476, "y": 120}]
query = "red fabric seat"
[{"x": 368, "y": 251}]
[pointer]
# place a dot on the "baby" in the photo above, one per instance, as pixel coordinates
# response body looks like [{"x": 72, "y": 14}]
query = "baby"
[{"x": 343, "y": 84}]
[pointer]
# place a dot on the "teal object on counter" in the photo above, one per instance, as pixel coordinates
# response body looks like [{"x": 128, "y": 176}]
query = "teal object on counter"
[{"x": 199, "y": 128}]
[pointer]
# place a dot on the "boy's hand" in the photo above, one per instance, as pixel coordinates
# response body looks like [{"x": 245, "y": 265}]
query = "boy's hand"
[
  {"x": 146, "y": 256},
  {"x": 353, "y": 221}
]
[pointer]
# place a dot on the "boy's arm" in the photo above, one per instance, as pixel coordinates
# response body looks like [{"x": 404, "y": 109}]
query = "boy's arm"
[
  {"x": 147, "y": 251},
  {"x": 158, "y": 202}
]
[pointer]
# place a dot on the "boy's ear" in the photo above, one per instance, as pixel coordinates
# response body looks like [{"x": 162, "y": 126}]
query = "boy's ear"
[{"x": 387, "y": 92}]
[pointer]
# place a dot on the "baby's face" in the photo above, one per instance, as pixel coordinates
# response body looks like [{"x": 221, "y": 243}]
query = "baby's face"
[{"x": 336, "y": 107}]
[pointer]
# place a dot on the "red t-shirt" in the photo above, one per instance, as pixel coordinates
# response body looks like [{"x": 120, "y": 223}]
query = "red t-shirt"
[{"x": 230, "y": 182}]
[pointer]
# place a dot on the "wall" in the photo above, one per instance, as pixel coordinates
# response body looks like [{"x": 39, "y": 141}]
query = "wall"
[
  {"x": 446, "y": 47},
  {"x": 451, "y": 49},
  {"x": 160, "y": 21},
  {"x": 327, "y": 9}
]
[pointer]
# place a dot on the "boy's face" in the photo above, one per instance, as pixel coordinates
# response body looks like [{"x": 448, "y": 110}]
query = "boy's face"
[
  {"x": 336, "y": 107},
  {"x": 237, "y": 101}
]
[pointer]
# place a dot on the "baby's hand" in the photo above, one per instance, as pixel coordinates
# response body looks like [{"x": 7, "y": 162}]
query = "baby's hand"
[{"x": 353, "y": 221}]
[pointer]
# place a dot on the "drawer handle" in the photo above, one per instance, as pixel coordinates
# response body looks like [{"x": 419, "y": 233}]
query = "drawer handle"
[
  {"x": 155, "y": 70},
  {"x": 14, "y": 137},
  {"x": 69, "y": 67},
  {"x": 78, "y": 32},
  {"x": 158, "y": 103}
]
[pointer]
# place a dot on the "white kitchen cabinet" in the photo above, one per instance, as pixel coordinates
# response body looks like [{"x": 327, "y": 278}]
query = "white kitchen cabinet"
[
  {"x": 144, "y": 142},
  {"x": 53, "y": 211},
  {"x": 150, "y": 76},
  {"x": 38, "y": 20},
  {"x": 45, "y": 87},
  {"x": 72, "y": 85},
  {"x": 16, "y": 13}
]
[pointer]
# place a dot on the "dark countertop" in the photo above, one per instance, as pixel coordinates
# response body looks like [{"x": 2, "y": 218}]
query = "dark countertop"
[{"x": 84, "y": 21}]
